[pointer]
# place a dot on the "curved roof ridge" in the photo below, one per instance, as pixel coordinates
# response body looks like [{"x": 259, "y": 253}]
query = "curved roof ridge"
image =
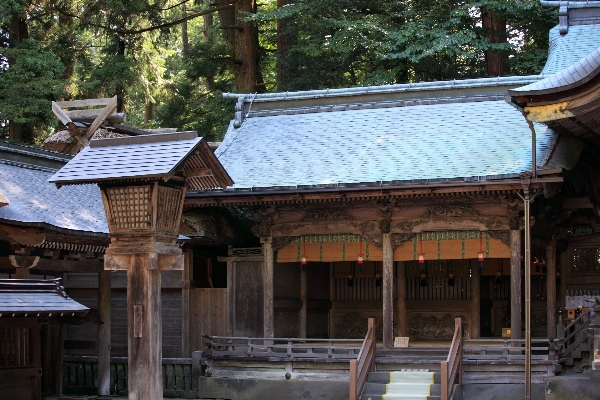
[
  {"x": 570, "y": 4},
  {"x": 383, "y": 89},
  {"x": 570, "y": 77}
]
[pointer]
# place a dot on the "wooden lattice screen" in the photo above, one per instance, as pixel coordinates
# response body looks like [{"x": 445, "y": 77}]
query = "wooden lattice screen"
[
  {"x": 17, "y": 347},
  {"x": 129, "y": 207}
]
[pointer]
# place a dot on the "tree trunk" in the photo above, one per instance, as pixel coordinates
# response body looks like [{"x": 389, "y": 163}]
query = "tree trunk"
[
  {"x": 494, "y": 29},
  {"x": 242, "y": 39},
  {"x": 120, "y": 89},
  {"x": 185, "y": 45},
  {"x": 208, "y": 23},
  {"x": 284, "y": 42}
]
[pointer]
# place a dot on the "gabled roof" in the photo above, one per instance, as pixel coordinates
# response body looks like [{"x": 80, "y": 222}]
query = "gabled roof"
[
  {"x": 35, "y": 201},
  {"x": 571, "y": 77},
  {"x": 452, "y": 135},
  {"x": 148, "y": 157},
  {"x": 30, "y": 297}
]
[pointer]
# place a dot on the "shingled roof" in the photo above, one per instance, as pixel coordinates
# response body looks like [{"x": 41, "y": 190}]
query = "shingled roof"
[
  {"x": 457, "y": 132},
  {"x": 31, "y": 297},
  {"x": 35, "y": 201},
  {"x": 576, "y": 35},
  {"x": 158, "y": 156}
]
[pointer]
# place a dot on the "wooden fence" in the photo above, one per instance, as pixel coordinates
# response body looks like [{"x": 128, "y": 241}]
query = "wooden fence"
[{"x": 80, "y": 376}]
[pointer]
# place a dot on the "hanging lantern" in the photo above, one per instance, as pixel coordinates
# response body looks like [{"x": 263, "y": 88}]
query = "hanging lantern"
[
  {"x": 480, "y": 256},
  {"x": 498, "y": 277},
  {"x": 536, "y": 262},
  {"x": 350, "y": 280},
  {"x": 377, "y": 276},
  {"x": 544, "y": 268},
  {"x": 303, "y": 262},
  {"x": 360, "y": 255},
  {"x": 450, "y": 278},
  {"x": 421, "y": 255},
  {"x": 423, "y": 279}
]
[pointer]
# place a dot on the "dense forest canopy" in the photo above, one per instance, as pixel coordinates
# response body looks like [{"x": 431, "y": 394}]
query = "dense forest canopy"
[{"x": 168, "y": 61}]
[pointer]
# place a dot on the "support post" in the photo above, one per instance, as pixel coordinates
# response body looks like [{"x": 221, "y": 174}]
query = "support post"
[
  {"x": 269, "y": 326},
  {"x": 332, "y": 298},
  {"x": 188, "y": 257},
  {"x": 230, "y": 298},
  {"x": 388, "y": 291},
  {"x": 551, "y": 289},
  {"x": 527, "y": 207},
  {"x": 515, "y": 284},
  {"x": 475, "y": 299},
  {"x": 104, "y": 286},
  {"x": 144, "y": 325},
  {"x": 402, "y": 314},
  {"x": 304, "y": 299}
]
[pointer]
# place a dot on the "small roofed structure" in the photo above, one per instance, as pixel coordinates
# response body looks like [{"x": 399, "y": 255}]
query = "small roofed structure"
[
  {"x": 26, "y": 305},
  {"x": 143, "y": 181}
]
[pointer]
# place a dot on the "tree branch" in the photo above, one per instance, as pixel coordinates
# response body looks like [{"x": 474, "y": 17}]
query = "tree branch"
[{"x": 150, "y": 28}]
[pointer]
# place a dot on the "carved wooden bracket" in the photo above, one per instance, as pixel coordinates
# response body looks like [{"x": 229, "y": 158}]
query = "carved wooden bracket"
[
  {"x": 261, "y": 230},
  {"x": 164, "y": 262}
]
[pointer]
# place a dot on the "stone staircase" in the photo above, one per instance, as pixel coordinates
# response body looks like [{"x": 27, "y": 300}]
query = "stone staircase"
[{"x": 412, "y": 358}]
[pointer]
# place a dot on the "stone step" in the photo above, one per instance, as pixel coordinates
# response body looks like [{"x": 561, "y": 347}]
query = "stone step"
[
  {"x": 384, "y": 377},
  {"x": 375, "y": 391},
  {"x": 397, "y": 365},
  {"x": 503, "y": 378}
]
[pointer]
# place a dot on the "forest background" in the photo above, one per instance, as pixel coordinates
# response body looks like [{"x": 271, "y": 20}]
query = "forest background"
[{"x": 169, "y": 61}]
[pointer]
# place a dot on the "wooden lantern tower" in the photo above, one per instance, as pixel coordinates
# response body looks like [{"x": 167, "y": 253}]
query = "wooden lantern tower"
[{"x": 143, "y": 181}]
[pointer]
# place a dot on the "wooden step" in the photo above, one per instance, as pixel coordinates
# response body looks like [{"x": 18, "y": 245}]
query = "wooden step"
[{"x": 384, "y": 377}]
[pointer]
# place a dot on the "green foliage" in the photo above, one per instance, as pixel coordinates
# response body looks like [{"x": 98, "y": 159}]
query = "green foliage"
[{"x": 29, "y": 84}]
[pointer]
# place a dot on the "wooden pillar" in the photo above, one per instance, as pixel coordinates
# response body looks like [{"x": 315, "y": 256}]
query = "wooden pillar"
[
  {"x": 402, "y": 314},
  {"x": 188, "y": 256},
  {"x": 104, "y": 314},
  {"x": 475, "y": 299},
  {"x": 551, "y": 290},
  {"x": 388, "y": 291},
  {"x": 268, "y": 317},
  {"x": 144, "y": 324},
  {"x": 515, "y": 285},
  {"x": 332, "y": 299},
  {"x": 230, "y": 298},
  {"x": 304, "y": 299}
]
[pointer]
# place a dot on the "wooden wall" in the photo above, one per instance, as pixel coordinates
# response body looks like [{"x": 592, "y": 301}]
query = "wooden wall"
[
  {"x": 208, "y": 315},
  {"x": 82, "y": 339},
  {"x": 247, "y": 296}
]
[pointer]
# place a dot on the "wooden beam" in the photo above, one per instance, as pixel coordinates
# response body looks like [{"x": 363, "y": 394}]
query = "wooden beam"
[
  {"x": 21, "y": 235},
  {"x": 197, "y": 172},
  {"x": 550, "y": 112},
  {"x": 109, "y": 109},
  {"x": 70, "y": 265},
  {"x": 85, "y": 102}
]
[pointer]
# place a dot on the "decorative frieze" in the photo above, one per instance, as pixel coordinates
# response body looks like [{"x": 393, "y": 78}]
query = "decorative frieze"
[
  {"x": 504, "y": 236},
  {"x": 327, "y": 214},
  {"x": 407, "y": 225},
  {"x": 262, "y": 229},
  {"x": 450, "y": 210},
  {"x": 490, "y": 223}
]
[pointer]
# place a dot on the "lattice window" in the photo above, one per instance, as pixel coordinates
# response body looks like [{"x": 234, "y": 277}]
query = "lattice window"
[
  {"x": 169, "y": 200},
  {"x": 130, "y": 207},
  {"x": 585, "y": 260}
]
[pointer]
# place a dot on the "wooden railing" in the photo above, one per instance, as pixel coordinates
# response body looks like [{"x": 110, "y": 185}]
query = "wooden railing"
[
  {"x": 360, "y": 368},
  {"x": 80, "y": 376},
  {"x": 574, "y": 335},
  {"x": 506, "y": 350},
  {"x": 285, "y": 349},
  {"x": 452, "y": 367}
]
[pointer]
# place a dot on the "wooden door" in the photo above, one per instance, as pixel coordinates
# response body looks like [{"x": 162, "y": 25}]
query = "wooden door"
[
  {"x": 247, "y": 299},
  {"x": 208, "y": 312}
]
